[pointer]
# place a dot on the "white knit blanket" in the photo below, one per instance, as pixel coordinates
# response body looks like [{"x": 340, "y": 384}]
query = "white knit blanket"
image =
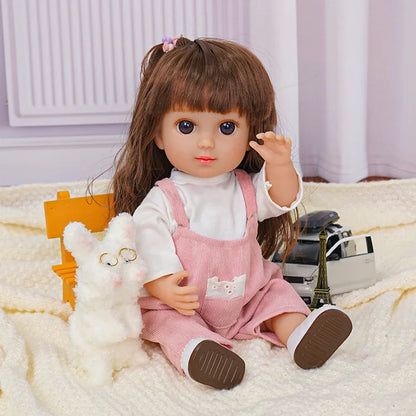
[{"x": 373, "y": 373}]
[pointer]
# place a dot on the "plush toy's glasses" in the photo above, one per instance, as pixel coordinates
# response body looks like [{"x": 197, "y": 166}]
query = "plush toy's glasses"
[{"x": 127, "y": 254}]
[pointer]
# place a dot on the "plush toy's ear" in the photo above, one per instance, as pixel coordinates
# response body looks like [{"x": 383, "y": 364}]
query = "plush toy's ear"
[
  {"x": 78, "y": 240},
  {"x": 121, "y": 228}
]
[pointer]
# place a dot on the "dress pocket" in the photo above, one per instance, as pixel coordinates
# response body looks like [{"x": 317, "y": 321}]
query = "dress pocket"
[{"x": 221, "y": 313}]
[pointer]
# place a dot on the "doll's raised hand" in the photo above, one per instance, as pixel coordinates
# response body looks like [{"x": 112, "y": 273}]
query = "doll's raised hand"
[
  {"x": 274, "y": 149},
  {"x": 167, "y": 289},
  {"x": 280, "y": 172}
]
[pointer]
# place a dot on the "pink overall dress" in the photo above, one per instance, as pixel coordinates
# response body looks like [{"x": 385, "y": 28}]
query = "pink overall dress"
[{"x": 237, "y": 288}]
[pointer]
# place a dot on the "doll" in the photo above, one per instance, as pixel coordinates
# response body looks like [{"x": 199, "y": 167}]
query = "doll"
[{"x": 212, "y": 190}]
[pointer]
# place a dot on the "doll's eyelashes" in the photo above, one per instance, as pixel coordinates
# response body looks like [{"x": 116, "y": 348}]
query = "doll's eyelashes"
[
  {"x": 185, "y": 126},
  {"x": 227, "y": 127}
]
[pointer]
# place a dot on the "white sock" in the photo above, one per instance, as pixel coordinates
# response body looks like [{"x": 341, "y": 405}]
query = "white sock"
[
  {"x": 299, "y": 332},
  {"x": 187, "y": 352}
]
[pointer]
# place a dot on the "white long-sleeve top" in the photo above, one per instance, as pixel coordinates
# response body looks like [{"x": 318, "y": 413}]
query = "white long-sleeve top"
[{"x": 214, "y": 207}]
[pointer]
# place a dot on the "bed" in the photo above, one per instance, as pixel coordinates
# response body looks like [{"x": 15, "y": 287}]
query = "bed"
[{"x": 373, "y": 373}]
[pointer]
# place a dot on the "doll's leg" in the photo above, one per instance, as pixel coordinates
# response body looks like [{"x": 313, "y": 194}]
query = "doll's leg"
[
  {"x": 283, "y": 325},
  {"x": 312, "y": 340},
  {"x": 193, "y": 348}
]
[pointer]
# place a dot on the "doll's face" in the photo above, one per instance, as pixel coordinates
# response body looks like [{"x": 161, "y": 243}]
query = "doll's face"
[{"x": 203, "y": 144}]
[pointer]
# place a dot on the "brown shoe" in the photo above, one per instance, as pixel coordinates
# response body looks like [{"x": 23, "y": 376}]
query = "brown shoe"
[
  {"x": 329, "y": 328},
  {"x": 216, "y": 366}
]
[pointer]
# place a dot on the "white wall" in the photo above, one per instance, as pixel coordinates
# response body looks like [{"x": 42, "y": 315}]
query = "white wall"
[
  {"x": 78, "y": 152},
  {"x": 52, "y": 154}
]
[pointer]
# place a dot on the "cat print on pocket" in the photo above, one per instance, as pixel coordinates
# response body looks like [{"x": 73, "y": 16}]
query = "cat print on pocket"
[{"x": 226, "y": 289}]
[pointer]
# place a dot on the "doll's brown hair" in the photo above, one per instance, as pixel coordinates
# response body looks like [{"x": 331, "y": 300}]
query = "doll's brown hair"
[{"x": 201, "y": 75}]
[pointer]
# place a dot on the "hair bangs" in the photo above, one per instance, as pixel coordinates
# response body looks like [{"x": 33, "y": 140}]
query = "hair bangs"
[
  {"x": 202, "y": 77},
  {"x": 212, "y": 96}
]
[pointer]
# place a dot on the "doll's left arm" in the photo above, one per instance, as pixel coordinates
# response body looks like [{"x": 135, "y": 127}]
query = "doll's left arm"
[{"x": 280, "y": 172}]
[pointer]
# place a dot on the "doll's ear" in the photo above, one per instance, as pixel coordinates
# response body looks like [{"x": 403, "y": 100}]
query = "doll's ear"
[
  {"x": 159, "y": 141},
  {"x": 78, "y": 240},
  {"x": 158, "y": 138}
]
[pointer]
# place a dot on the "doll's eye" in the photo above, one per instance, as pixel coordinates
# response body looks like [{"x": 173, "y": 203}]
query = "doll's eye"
[
  {"x": 128, "y": 254},
  {"x": 185, "y": 126},
  {"x": 108, "y": 259},
  {"x": 227, "y": 127}
]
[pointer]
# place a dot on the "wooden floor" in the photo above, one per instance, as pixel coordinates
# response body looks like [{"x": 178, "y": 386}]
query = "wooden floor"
[{"x": 369, "y": 179}]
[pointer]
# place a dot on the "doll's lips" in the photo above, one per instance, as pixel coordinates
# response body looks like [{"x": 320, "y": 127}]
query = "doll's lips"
[{"x": 205, "y": 160}]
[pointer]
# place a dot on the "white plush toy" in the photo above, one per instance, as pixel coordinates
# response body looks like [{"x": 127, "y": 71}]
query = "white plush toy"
[{"x": 106, "y": 323}]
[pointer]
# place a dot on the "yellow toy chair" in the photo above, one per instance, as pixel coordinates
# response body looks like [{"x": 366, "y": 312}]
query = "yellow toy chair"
[{"x": 94, "y": 212}]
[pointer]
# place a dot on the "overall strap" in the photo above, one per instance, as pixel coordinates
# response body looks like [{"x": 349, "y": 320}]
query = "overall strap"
[
  {"x": 248, "y": 190},
  {"x": 169, "y": 189}
]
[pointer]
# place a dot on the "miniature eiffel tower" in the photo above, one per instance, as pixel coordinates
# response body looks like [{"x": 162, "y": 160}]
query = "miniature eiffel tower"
[{"x": 321, "y": 293}]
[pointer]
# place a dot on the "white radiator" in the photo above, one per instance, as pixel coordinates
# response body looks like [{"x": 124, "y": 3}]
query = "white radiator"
[{"x": 77, "y": 61}]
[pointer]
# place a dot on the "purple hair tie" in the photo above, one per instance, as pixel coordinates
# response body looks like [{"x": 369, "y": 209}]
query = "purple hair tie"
[{"x": 169, "y": 43}]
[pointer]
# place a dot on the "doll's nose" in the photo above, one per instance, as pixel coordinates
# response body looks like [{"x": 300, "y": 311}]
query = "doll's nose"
[{"x": 206, "y": 141}]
